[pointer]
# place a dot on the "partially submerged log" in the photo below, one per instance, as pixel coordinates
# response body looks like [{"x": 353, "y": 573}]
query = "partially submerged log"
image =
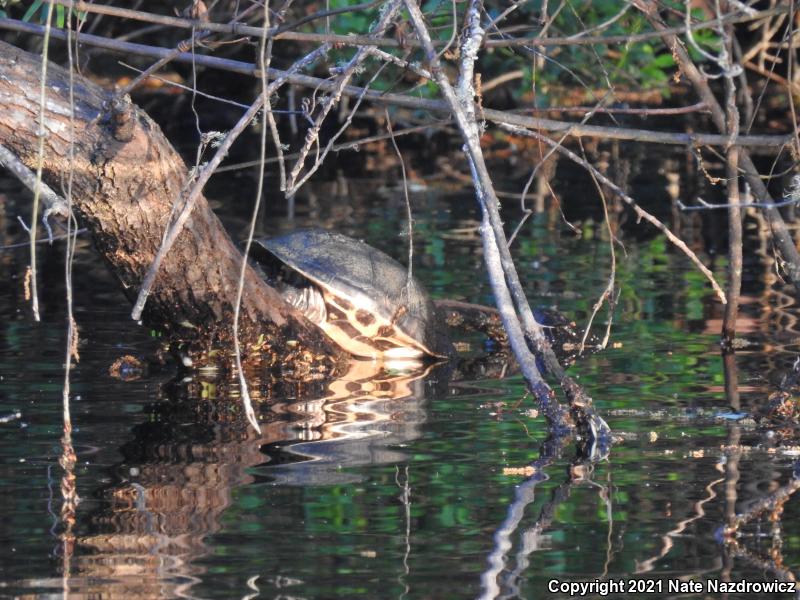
[{"x": 126, "y": 179}]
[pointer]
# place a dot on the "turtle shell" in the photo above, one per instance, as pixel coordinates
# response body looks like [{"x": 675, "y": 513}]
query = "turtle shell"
[{"x": 366, "y": 292}]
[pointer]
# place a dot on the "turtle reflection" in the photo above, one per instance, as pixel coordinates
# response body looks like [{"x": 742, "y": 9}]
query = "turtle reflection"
[
  {"x": 370, "y": 410},
  {"x": 180, "y": 471}
]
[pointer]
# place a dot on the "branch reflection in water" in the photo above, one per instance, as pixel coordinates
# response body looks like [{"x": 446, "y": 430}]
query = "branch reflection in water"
[{"x": 499, "y": 580}]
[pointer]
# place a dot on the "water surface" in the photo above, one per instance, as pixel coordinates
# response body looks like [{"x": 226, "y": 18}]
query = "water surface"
[{"x": 393, "y": 485}]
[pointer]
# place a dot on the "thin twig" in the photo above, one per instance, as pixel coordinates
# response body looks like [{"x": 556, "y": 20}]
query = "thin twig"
[
  {"x": 353, "y": 145},
  {"x": 399, "y": 62},
  {"x": 273, "y": 129},
  {"x": 55, "y": 204},
  {"x": 180, "y": 48},
  {"x": 729, "y": 72},
  {"x": 326, "y": 14},
  {"x": 780, "y": 232},
  {"x": 55, "y": 238},
  {"x": 71, "y": 352},
  {"x": 791, "y": 77},
  {"x": 68, "y": 459},
  {"x": 544, "y": 159},
  {"x": 321, "y": 156},
  {"x": 233, "y": 29},
  {"x": 346, "y": 73},
  {"x": 264, "y": 52},
  {"x": 763, "y": 205},
  {"x": 409, "y": 215},
  {"x": 39, "y": 165},
  {"x": 616, "y": 110},
  {"x": 608, "y": 292},
  {"x": 187, "y": 88}
]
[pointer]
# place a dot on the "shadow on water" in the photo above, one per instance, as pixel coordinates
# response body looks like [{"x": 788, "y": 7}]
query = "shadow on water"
[{"x": 429, "y": 484}]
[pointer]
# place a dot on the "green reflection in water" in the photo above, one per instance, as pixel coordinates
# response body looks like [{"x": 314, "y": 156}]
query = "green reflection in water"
[{"x": 420, "y": 512}]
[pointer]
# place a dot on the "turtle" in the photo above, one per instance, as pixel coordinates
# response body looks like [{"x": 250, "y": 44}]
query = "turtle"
[{"x": 364, "y": 300}]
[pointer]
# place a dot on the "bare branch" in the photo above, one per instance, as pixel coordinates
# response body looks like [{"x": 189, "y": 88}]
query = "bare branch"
[
  {"x": 518, "y": 320},
  {"x": 56, "y": 205},
  {"x": 435, "y": 106},
  {"x": 294, "y": 182},
  {"x": 280, "y": 33}
]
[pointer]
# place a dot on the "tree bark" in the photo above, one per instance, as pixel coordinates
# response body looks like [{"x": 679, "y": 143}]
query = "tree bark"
[{"x": 126, "y": 178}]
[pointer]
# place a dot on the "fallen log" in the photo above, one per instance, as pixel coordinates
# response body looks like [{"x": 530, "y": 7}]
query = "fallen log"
[{"x": 126, "y": 178}]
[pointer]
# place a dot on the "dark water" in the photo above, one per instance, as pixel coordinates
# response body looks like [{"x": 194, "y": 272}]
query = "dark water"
[{"x": 396, "y": 485}]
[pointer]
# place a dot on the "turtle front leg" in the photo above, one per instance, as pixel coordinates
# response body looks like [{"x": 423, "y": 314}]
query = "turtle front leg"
[{"x": 308, "y": 300}]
